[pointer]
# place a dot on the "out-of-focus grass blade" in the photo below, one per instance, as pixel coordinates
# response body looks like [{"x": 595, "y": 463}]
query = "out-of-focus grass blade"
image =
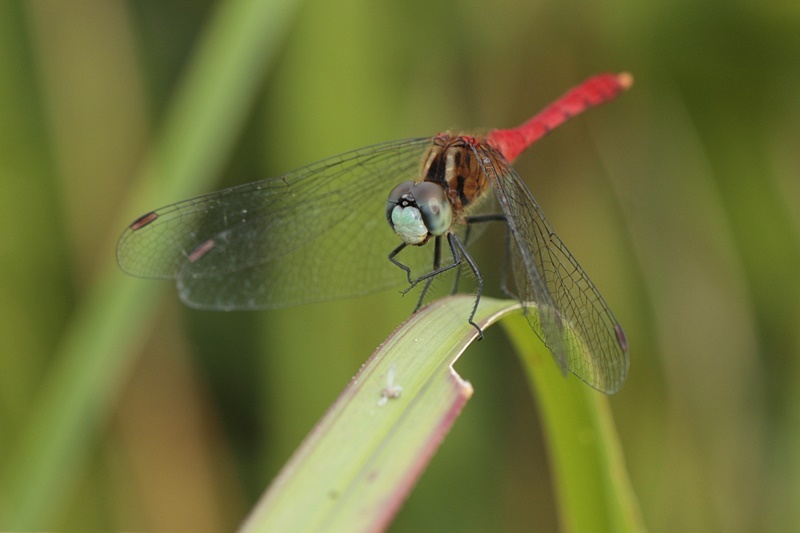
[
  {"x": 92, "y": 360},
  {"x": 594, "y": 491},
  {"x": 357, "y": 466}
]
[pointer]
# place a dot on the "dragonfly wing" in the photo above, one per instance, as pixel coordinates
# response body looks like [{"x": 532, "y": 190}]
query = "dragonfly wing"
[
  {"x": 318, "y": 233},
  {"x": 547, "y": 276}
]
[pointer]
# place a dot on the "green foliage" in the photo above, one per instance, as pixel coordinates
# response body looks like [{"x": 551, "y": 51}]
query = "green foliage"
[{"x": 594, "y": 492}]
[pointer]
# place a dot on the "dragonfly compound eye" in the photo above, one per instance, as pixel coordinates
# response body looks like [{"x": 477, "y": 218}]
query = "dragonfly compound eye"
[
  {"x": 437, "y": 213},
  {"x": 404, "y": 216},
  {"x": 399, "y": 196}
]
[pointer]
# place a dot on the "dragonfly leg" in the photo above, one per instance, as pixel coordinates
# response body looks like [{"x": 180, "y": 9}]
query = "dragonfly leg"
[
  {"x": 407, "y": 270},
  {"x": 435, "y": 272},
  {"x": 460, "y": 253},
  {"x": 430, "y": 275},
  {"x": 437, "y": 261},
  {"x": 456, "y": 245},
  {"x": 496, "y": 217},
  {"x": 458, "y": 272}
]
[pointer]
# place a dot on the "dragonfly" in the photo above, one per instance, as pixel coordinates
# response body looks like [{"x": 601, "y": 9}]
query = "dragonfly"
[{"x": 323, "y": 232}]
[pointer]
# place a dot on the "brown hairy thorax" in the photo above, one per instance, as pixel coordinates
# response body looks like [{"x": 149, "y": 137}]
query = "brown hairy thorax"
[{"x": 453, "y": 161}]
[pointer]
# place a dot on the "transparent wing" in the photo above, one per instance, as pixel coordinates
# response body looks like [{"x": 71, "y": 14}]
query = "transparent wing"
[
  {"x": 318, "y": 233},
  {"x": 547, "y": 276}
]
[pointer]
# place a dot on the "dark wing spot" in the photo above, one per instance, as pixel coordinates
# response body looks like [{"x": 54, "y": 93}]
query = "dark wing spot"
[
  {"x": 202, "y": 249},
  {"x": 143, "y": 220},
  {"x": 621, "y": 339}
]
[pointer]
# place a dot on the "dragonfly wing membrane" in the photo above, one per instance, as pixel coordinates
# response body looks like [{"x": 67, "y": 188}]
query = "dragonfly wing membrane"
[
  {"x": 571, "y": 317},
  {"x": 309, "y": 235}
]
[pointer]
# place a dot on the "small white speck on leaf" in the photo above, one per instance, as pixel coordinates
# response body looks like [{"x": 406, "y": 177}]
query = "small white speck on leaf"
[{"x": 392, "y": 390}]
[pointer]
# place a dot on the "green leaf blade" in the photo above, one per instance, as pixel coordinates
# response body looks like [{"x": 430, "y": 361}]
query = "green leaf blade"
[
  {"x": 593, "y": 489},
  {"x": 358, "y": 465}
]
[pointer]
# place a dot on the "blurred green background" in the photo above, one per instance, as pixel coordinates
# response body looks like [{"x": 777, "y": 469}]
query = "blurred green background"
[{"x": 120, "y": 409}]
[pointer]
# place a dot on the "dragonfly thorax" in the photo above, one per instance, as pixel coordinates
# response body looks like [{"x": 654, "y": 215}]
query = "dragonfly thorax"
[
  {"x": 454, "y": 161},
  {"x": 417, "y": 211}
]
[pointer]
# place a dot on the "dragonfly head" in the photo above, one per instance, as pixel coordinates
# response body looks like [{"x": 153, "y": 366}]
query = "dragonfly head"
[{"x": 415, "y": 211}]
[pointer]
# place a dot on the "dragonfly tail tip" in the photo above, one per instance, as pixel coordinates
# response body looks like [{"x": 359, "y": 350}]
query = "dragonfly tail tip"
[{"x": 625, "y": 80}]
